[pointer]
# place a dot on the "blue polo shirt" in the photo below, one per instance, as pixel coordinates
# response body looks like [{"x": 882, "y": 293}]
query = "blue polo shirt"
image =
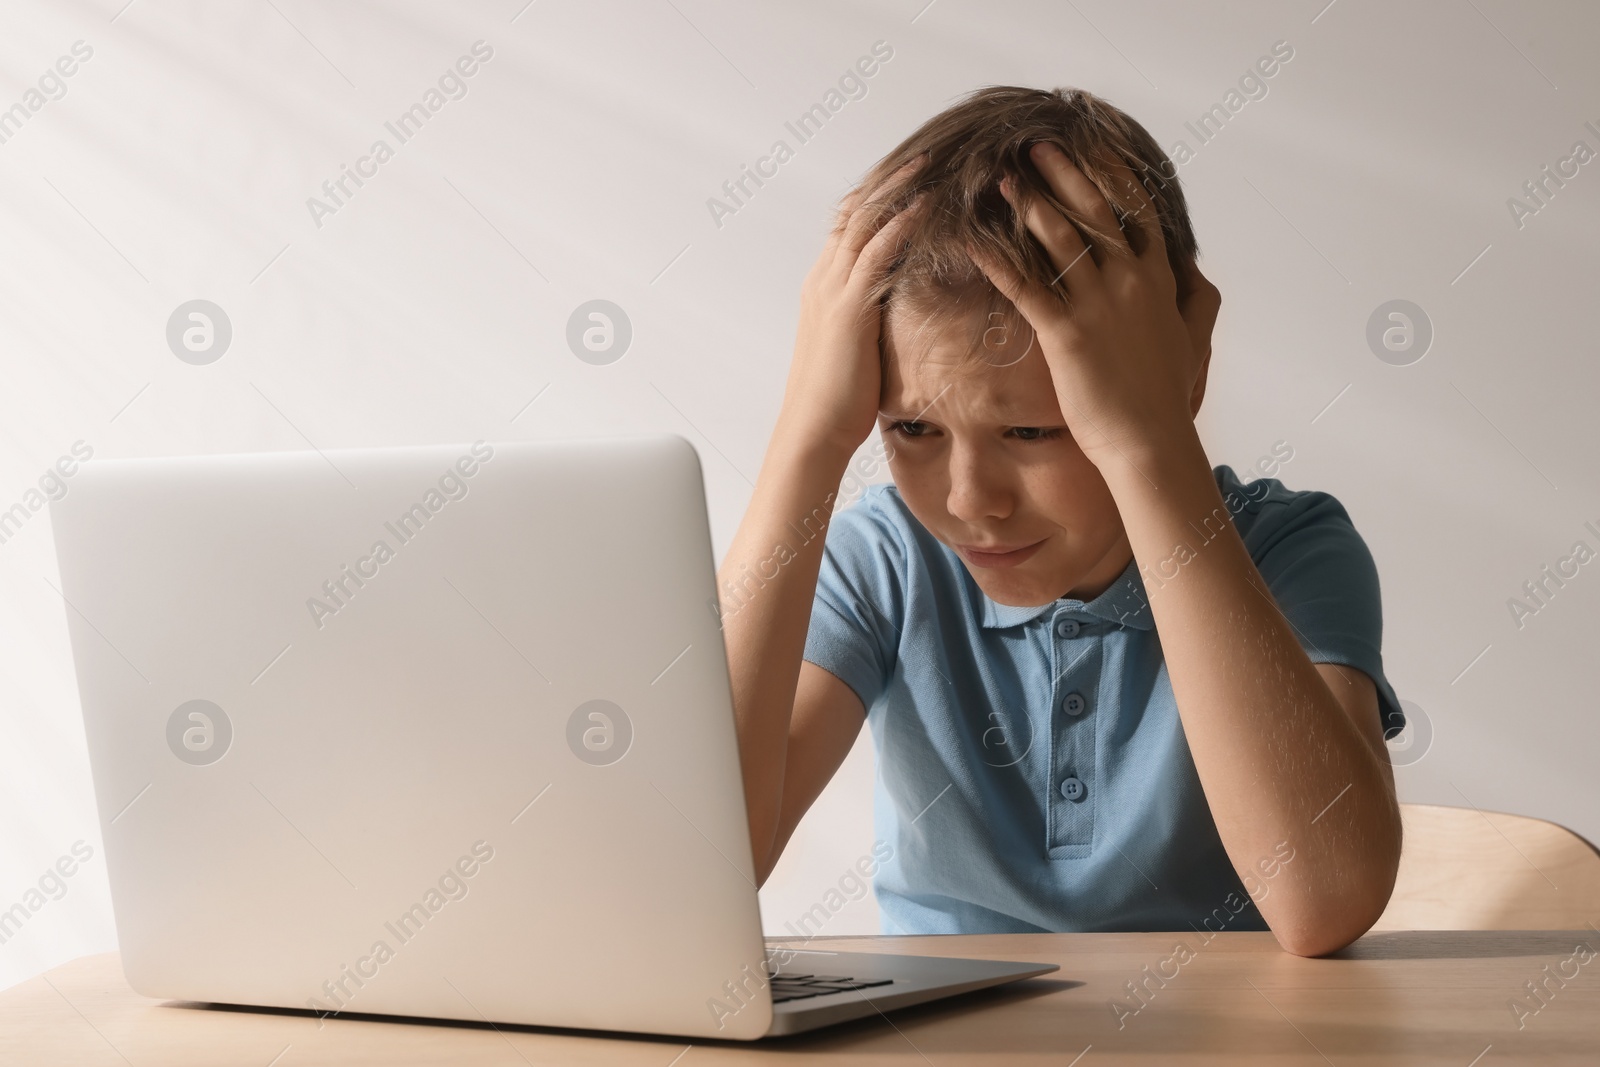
[{"x": 1033, "y": 773}]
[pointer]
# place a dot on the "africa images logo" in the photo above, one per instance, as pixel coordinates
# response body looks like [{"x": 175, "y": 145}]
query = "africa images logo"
[
  {"x": 199, "y": 732},
  {"x": 599, "y": 732}
]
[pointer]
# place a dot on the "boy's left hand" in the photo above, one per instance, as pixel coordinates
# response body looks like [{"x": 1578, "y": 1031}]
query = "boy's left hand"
[{"x": 1126, "y": 342}]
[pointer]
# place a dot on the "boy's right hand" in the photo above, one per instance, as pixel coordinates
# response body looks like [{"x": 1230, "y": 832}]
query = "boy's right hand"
[{"x": 831, "y": 400}]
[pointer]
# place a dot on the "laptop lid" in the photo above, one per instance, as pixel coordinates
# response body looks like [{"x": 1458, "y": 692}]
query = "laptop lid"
[{"x": 439, "y": 731}]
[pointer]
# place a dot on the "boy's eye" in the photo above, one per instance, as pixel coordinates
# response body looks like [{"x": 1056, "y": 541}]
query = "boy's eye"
[
  {"x": 908, "y": 428},
  {"x": 1035, "y": 433}
]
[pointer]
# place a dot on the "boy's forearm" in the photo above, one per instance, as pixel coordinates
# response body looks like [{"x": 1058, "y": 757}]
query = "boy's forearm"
[
  {"x": 1273, "y": 746},
  {"x": 766, "y": 585}
]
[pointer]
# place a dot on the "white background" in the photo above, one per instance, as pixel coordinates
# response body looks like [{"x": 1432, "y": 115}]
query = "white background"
[{"x": 433, "y": 306}]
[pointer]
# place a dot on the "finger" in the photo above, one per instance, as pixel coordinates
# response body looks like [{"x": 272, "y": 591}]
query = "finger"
[
  {"x": 1066, "y": 246},
  {"x": 1073, "y": 188},
  {"x": 847, "y": 204},
  {"x": 880, "y": 252},
  {"x": 863, "y": 223},
  {"x": 866, "y": 216},
  {"x": 1144, "y": 214},
  {"x": 1034, "y": 301},
  {"x": 854, "y": 199}
]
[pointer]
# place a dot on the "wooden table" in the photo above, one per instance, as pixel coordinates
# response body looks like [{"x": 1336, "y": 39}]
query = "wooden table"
[{"x": 1392, "y": 998}]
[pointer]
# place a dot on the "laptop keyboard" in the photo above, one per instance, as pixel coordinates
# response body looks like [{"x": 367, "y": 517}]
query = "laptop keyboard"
[{"x": 786, "y": 986}]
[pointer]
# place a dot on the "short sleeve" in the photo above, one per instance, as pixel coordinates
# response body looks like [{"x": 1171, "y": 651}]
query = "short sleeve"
[
  {"x": 1325, "y": 581},
  {"x": 858, "y": 612}
]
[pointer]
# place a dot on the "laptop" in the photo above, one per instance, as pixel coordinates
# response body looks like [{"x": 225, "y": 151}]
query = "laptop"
[{"x": 435, "y": 731}]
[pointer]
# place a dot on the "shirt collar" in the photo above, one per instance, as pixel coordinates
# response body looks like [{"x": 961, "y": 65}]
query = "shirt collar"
[{"x": 1124, "y": 602}]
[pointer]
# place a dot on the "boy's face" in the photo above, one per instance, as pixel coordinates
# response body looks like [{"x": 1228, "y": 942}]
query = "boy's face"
[{"x": 983, "y": 458}]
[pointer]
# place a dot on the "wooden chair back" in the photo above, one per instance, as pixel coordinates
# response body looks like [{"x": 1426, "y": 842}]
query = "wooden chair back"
[{"x": 1465, "y": 869}]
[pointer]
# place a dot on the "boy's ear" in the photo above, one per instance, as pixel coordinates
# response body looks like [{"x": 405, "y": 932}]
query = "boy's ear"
[
  {"x": 1199, "y": 393},
  {"x": 1198, "y": 303}
]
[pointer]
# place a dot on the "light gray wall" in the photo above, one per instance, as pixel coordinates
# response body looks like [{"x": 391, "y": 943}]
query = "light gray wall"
[{"x": 433, "y": 305}]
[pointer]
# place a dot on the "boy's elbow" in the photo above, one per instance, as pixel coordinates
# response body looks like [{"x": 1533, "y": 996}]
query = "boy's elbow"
[
  {"x": 1320, "y": 939},
  {"x": 1324, "y": 924},
  {"x": 1326, "y": 931}
]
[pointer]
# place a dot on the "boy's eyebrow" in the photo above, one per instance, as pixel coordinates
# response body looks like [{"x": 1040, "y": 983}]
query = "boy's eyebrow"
[
  {"x": 1008, "y": 413},
  {"x": 922, "y": 409},
  {"x": 1005, "y": 410},
  {"x": 1023, "y": 416}
]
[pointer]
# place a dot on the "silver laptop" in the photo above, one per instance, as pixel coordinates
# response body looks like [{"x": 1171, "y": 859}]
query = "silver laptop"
[{"x": 434, "y": 731}]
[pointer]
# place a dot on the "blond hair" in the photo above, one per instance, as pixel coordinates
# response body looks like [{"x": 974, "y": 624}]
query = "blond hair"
[{"x": 969, "y": 146}]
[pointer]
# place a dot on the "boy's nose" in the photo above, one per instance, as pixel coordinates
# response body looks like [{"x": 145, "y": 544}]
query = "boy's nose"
[{"x": 977, "y": 490}]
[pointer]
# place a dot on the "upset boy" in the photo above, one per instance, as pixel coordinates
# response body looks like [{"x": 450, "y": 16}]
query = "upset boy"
[{"x": 1111, "y": 686}]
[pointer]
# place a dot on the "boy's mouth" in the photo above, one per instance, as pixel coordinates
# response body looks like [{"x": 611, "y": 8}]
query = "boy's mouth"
[{"x": 997, "y": 555}]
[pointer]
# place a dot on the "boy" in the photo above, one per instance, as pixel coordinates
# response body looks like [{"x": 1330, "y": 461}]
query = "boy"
[{"x": 1111, "y": 687}]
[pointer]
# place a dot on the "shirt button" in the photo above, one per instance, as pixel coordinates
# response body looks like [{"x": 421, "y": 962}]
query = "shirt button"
[
  {"x": 1073, "y": 789},
  {"x": 1074, "y": 704},
  {"x": 1067, "y": 627}
]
